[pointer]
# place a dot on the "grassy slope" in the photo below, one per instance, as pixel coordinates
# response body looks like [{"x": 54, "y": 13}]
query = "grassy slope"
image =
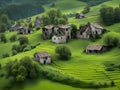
[{"x": 85, "y": 67}]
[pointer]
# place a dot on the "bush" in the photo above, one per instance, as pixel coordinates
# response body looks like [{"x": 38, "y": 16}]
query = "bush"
[
  {"x": 38, "y": 28},
  {"x": 112, "y": 83},
  {"x": 3, "y": 38},
  {"x": 110, "y": 69},
  {"x": 111, "y": 41},
  {"x": 5, "y": 55},
  {"x": 14, "y": 52},
  {"x": 16, "y": 48},
  {"x": 23, "y": 40},
  {"x": 0, "y": 65},
  {"x": 13, "y": 38},
  {"x": 27, "y": 49},
  {"x": 86, "y": 10},
  {"x": 73, "y": 31},
  {"x": 68, "y": 80},
  {"x": 63, "y": 52}
]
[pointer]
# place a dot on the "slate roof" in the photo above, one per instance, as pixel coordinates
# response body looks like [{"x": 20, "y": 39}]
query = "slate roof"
[
  {"x": 94, "y": 47},
  {"x": 42, "y": 54}
]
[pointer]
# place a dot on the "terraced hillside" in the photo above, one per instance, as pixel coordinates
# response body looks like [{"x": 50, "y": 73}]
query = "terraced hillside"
[{"x": 82, "y": 66}]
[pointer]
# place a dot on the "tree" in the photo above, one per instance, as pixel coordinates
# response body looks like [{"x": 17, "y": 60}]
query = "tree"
[
  {"x": 23, "y": 69},
  {"x": 20, "y": 78},
  {"x": 13, "y": 38},
  {"x": 30, "y": 25},
  {"x": 23, "y": 40},
  {"x": 3, "y": 38},
  {"x": 111, "y": 41},
  {"x": 2, "y": 28},
  {"x": 54, "y": 17},
  {"x": 86, "y": 9},
  {"x": 74, "y": 31},
  {"x": 112, "y": 83},
  {"x": 4, "y": 18},
  {"x": 117, "y": 15},
  {"x": 0, "y": 65},
  {"x": 17, "y": 48},
  {"x": 110, "y": 15},
  {"x": 46, "y": 20},
  {"x": 63, "y": 52},
  {"x": 14, "y": 52},
  {"x": 5, "y": 55}
]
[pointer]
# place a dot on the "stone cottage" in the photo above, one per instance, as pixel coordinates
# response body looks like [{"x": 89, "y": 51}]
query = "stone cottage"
[
  {"x": 65, "y": 30},
  {"x": 42, "y": 57},
  {"x": 25, "y": 30},
  {"x": 59, "y": 39},
  {"x": 80, "y": 16},
  {"x": 47, "y": 31},
  {"x": 62, "y": 31},
  {"x": 15, "y": 27},
  {"x": 37, "y": 22},
  {"x": 91, "y": 29},
  {"x": 95, "y": 49}
]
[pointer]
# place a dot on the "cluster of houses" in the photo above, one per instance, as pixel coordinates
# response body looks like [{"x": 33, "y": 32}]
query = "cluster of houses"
[
  {"x": 58, "y": 34},
  {"x": 61, "y": 34},
  {"x": 23, "y": 29}
]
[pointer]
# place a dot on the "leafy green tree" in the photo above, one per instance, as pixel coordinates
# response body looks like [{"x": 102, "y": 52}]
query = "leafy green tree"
[
  {"x": 16, "y": 48},
  {"x": 46, "y": 20},
  {"x": 3, "y": 38},
  {"x": 23, "y": 40},
  {"x": 112, "y": 83},
  {"x": 20, "y": 78},
  {"x": 110, "y": 15},
  {"x": 14, "y": 52},
  {"x": 22, "y": 69},
  {"x": 117, "y": 15},
  {"x": 63, "y": 52},
  {"x": 86, "y": 9},
  {"x": 4, "y": 18},
  {"x": 0, "y": 65},
  {"x": 2, "y": 28},
  {"x": 13, "y": 38},
  {"x": 54, "y": 17},
  {"x": 5, "y": 55},
  {"x": 74, "y": 31},
  {"x": 111, "y": 41},
  {"x": 30, "y": 25}
]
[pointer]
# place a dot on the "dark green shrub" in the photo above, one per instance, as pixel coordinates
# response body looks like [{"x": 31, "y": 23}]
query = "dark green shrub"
[
  {"x": 23, "y": 40},
  {"x": 63, "y": 52},
  {"x": 5, "y": 55},
  {"x": 13, "y": 38},
  {"x": 14, "y": 52}
]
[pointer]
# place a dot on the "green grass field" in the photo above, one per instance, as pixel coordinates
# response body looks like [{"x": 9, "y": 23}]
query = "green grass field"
[{"x": 83, "y": 66}]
